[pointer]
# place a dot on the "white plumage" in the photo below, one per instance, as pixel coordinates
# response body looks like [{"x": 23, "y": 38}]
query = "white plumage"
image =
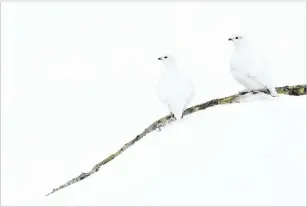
[
  {"x": 175, "y": 88},
  {"x": 249, "y": 68}
]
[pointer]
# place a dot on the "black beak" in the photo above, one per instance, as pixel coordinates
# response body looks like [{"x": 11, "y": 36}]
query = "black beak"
[
  {"x": 159, "y": 58},
  {"x": 229, "y": 39}
]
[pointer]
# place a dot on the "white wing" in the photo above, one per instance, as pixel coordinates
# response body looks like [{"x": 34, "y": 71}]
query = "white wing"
[
  {"x": 252, "y": 71},
  {"x": 176, "y": 90}
]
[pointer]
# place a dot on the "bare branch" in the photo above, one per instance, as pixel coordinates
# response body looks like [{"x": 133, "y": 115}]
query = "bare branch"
[{"x": 296, "y": 90}]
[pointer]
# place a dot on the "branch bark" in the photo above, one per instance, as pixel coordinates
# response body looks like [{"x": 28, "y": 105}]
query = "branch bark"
[{"x": 296, "y": 90}]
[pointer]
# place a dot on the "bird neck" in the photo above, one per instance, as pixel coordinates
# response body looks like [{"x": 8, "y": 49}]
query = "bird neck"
[
  {"x": 243, "y": 46},
  {"x": 171, "y": 65}
]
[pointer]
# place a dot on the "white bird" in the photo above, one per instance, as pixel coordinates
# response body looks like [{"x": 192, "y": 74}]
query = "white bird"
[
  {"x": 175, "y": 89},
  {"x": 250, "y": 68}
]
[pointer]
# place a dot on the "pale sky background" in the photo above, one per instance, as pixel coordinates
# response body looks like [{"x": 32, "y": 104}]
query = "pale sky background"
[{"x": 78, "y": 80}]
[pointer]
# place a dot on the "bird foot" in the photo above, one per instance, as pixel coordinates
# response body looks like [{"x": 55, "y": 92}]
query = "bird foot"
[
  {"x": 246, "y": 91},
  {"x": 274, "y": 95},
  {"x": 243, "y": 92}
]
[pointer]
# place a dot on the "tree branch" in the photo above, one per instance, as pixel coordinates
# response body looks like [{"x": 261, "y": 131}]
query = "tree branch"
[{"x": 296, "y": 90}]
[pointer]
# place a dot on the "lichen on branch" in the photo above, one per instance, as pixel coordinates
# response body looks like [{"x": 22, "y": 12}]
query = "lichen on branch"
[{"x": 296, "y": 90}]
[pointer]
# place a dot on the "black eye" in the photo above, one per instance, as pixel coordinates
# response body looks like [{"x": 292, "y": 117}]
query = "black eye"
[
  {"x": 237, "y": 37},
  {"x": 165, "y": 57}
]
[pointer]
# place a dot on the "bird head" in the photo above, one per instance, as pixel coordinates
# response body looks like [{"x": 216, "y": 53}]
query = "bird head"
[
  {"x": 168, "y": 60},
  {"x": 238, "y": 40}
]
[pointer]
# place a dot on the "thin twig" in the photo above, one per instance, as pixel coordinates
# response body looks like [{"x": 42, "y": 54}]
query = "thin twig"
[{"x": 296, "y": 90}]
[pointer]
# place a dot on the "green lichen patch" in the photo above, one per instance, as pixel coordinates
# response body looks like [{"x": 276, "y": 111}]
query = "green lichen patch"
[
  {"x": 296, "y": 90},
  {"x": 302, "y": 91},
  {"x": 227, "y": 100}
]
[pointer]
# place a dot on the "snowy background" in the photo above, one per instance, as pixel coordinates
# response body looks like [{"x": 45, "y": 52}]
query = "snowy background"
[{"x": 78, "y": 81}]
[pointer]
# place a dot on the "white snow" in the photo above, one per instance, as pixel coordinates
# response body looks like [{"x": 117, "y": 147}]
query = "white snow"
[
  {"x": 252, "y": 153},
  {"x": 78, "y": 81}
]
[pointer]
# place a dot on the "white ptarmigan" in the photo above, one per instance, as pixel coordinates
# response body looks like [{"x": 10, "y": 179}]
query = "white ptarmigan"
[
  {"x": 175, "y": 89},
  {"x": 250, "y": 68}
]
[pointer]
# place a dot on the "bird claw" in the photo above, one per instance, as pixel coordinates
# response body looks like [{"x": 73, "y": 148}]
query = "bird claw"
[
  {"x": 274, "y": 95},
  {"x": 241, "y": 93},
  {"x": 246, "y": 91}
]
